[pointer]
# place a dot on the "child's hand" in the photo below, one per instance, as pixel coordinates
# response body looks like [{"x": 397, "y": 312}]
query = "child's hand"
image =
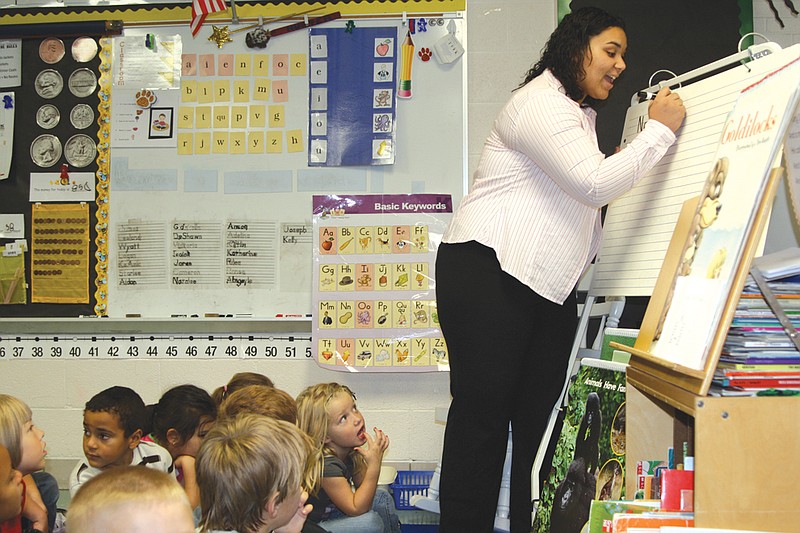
[
  {"x": 376, "y": 447},
  {"x": 185, "y": 463},
  {"x": 295, "y": 525}
]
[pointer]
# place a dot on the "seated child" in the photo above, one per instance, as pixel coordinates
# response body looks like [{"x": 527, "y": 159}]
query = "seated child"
[
  {"x": 130, "y": 499},
  {"x": 328, "y": 414},
  {"x": 114, "y": 421},
  {"x": 179, "y": 422},
  {"x": 260, "y": 400},
  {"x": 26, "y": 447},
  {"x": 250, "y": 469},
  {"x": 239, "y": 380},
  {"x": 12, "y": 494}
]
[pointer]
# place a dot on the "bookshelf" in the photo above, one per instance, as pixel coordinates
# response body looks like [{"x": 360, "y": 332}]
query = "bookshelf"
[{"x": 747, "y": 451}]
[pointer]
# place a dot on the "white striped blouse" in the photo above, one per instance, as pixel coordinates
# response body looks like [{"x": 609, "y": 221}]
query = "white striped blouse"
[{"x": 541, "y": 182}]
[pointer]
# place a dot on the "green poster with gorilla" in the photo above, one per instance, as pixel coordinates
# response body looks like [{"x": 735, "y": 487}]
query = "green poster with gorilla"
[{"x": 589, "y": 458}]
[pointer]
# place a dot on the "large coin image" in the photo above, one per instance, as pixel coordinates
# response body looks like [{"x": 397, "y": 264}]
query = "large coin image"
[
  {"x": 80, "y": 150},
  {"x": 51, "y": 50},
  {"x": 46, "y": 150},
  {"x": 48, "y": 83},
  {"x": 48, "y": 116},
  {"x": 84, "y": 49},
  {"x": 82, "y": 82},
  {"x": 81, "y": 116}
]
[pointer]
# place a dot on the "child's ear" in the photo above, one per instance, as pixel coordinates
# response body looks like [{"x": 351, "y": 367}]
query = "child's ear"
[
  {"x": 133, "y": 440},
  {"x": 173, "y": 437},
  {"x": 272, "y": 506}
]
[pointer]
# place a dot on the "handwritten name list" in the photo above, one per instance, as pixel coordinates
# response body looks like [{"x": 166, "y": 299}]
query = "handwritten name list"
[{"x": 191, "y": 253}]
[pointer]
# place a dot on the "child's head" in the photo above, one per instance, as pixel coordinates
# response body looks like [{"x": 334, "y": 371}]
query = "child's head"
[
  {"x": 10, "y": 488},
  {"x": 328, "y": 413},
  {"x": 261, "y": 400},
  {"x": 239, "y": 380},
  {"x": 113, "y": 423},
  {"x": 130, "y": 499},
  {"x": 23, "y": 440},
  {"x": 250, "y": 469},
  {"x": 181, "y": 419}
]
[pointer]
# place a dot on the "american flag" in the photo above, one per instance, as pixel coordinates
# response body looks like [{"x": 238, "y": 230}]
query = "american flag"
[{"x": 201, "y": 8}]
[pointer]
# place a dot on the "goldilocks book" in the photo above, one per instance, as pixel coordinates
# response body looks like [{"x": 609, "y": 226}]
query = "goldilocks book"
[{"x": 589, "y": 459}]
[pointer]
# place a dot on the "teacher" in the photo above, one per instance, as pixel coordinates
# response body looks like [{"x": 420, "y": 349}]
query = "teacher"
[{"x": 508, "y": 265}]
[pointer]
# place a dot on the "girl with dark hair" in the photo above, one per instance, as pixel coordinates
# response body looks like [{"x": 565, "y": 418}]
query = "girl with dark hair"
[
  {"x": 508, "y": 265},
  {"x": 179, "y": 422}
]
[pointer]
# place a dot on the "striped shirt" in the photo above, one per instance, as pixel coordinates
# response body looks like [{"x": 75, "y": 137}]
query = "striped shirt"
[{"x": 541, "y": 182}]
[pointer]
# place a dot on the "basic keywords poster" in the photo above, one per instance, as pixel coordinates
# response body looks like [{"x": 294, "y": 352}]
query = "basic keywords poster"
[{"x": 374, "y": 291}]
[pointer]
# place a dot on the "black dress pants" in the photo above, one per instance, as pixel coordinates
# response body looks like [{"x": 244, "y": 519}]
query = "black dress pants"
[{"x": 509, "y": 350}]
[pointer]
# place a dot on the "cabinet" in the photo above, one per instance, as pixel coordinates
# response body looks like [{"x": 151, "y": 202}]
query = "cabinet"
[{"x": 747, "y": 451}]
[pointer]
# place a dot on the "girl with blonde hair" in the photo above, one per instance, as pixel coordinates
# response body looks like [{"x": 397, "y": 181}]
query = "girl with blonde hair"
[{"x": 345, "y": 499}]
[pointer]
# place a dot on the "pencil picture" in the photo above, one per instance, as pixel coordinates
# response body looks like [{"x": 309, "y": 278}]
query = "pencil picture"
[{"x": 406, "y": 55}]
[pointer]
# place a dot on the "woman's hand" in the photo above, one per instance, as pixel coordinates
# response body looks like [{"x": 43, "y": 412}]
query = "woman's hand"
[{"x": 667, "y": 108}]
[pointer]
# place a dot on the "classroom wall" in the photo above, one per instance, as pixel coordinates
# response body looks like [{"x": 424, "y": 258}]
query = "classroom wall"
[{"x": 504, "y": 38}]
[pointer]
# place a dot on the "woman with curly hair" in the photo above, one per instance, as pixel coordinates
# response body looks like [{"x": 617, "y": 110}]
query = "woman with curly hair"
[{"x": 526, "y": 232}]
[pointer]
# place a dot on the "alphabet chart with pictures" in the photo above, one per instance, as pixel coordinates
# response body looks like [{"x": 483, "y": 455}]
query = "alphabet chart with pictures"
[{"x": 374, "y": 307}]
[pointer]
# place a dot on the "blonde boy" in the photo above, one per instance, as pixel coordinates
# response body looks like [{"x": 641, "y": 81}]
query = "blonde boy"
[
  {"x": 250, "y": 469},
  {"x": 130, "y": 499},
  {"x": 260, "y": 400}
]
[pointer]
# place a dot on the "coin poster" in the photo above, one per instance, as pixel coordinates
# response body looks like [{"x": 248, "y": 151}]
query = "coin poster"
[
  {"x": 374, "y": 298},
  {"x": 60, "y": 253}
]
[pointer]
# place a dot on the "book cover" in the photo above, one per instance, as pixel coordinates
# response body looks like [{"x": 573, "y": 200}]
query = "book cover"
[
  {"x": 589, "y": 459},
  {"x": 673, "y": 483},
  {"x": 759, "y": 368},
  {"x": 622, "y": 523},
  {"x": 723, "y": 222},
  {"x": 760, "y": 383},
  {"x": 601, "y": 513},
  {"x": 780, "y": 264},
  {"x": 626, "y": 336},
  {"x": 644, "y": 487}
]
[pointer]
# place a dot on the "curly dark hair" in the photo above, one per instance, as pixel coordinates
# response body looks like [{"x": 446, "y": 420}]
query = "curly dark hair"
[
  {"x": 564, "y": 52},
  {"x": 124, "y": 403}
]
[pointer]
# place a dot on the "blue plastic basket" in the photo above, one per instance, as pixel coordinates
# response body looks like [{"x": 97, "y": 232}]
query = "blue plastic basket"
[
  {"x": 419, "y": 528},
  {"x": 408, "y": 484}
]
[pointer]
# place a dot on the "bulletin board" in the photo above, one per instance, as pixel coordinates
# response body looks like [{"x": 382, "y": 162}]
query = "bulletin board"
[{"x": 214, "y": 218}]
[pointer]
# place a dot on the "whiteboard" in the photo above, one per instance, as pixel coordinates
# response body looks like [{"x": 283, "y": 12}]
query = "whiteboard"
[
  {"x": 164, "y": 203},
  {"x": 639, "y": 224}
]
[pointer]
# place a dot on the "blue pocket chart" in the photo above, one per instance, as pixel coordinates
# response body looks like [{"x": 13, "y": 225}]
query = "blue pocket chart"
[{"x": 351, "y": 96}]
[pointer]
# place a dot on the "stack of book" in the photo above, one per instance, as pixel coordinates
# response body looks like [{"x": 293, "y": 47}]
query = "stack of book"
[{"x": 758, "y": 354}]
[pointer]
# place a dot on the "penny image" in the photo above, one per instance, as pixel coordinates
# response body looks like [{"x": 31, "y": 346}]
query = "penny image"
[
  {"x": 51, "y": 50},
  {"x": 48, "y": 83},
  {"x": 80, "y": 150},
  {"x": 46, "y": 150},
  {"x": 84, "y": 49},
  {"x": 81, "y": 116},
  {"x": 48, "y": 116},
  {"x": 82, "y": 82}
]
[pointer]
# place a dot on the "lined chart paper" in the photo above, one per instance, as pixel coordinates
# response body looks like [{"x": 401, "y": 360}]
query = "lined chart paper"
[{"x": 639, "y": 225}]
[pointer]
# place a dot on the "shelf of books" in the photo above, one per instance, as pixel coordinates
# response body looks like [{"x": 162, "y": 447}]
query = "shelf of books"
[
  {"x": 736, "y": 406},
  {"x": 716, "y": 364}
]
